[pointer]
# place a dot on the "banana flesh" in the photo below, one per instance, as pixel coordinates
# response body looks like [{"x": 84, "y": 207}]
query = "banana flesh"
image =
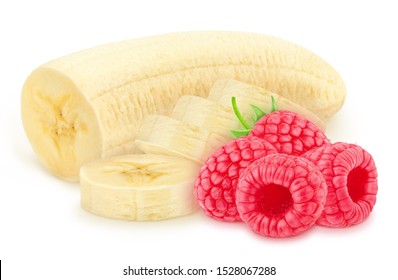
[
  {"x": 88, "y": 105},
  {"x": 167, "y": 136},
  {"x": 139, "y": 187}
]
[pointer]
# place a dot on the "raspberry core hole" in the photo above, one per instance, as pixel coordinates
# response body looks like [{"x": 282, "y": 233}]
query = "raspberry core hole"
[
  {"x": 356, "y": 183},
  {"x": 275, "y": 200}
]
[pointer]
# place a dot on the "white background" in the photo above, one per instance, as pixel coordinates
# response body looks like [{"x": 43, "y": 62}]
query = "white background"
[{"x": 44, "y": 234}]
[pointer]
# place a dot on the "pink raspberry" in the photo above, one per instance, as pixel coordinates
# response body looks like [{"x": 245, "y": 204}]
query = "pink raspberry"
[
  {"x": 280, "y": 195},
  {"x": 216, "y": 183},
  {"x": 289, "y": 132},
  {"x": 351, "y": 177}
]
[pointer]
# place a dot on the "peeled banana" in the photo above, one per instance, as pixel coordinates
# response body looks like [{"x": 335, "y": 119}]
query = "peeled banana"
[
  {"x": 139, "y": 187},
  {"x": 88, "y": 105}
]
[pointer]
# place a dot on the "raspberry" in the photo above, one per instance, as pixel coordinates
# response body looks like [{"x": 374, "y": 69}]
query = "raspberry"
[
  {"x": 289, "y": 132},
  {"x": 216, "y": 183},
  {"x": 280, "y": 195},
  {"x": 351, "y": 177}
]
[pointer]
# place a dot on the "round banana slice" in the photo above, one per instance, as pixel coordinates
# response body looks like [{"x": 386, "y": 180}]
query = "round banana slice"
[
  {"x": 160, "y": 134},
  {"x": 246, "y": 94},
  {"x": 139, "y": 187},
  {"x": 213, "y": 116}
]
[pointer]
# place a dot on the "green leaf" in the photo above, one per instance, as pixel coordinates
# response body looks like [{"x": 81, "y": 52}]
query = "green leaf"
[
  {"x": 258, "y": 113},
  {"x": 274, "y": 106},
  {"x": 240, "y": 132}
]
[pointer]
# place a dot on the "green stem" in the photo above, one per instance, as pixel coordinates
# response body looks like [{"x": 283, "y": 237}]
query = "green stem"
[{"x": 238, "y": 114}]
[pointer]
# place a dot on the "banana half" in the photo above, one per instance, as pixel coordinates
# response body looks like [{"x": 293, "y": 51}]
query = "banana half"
[
  {"x": 61, "y": 124},
  {"x": 139, "y": 187},
  {"x": 88, "y": 105}
]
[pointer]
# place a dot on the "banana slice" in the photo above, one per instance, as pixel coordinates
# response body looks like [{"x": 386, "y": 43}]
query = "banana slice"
[
  {"x": 246, "y": 94},
  {"x": 213, "y": 116},
  {"x": 164, "y": 135},
  {"x": 140, "y": 187}
]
